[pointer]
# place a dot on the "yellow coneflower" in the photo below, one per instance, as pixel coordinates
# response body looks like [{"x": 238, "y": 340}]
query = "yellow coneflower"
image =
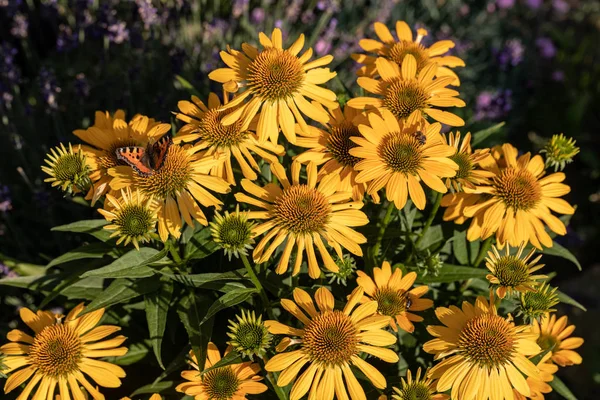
[
  {"x": 410, "y": 96},
  {"x": 204, "y": 127},
  {"x": 560, "y": 151},
  {"x": 233, "y": 232},
  {"x": 331, "y": 146},
  {"x": 395, "y": 50},
  {"x": 155, "y": 396},
  {"x": 109, "y": 133},
  {"x": 520, "y": 201},
  {"x": 394, "y": 295},
  {"x": 554, "y": 336},
  {"x": 68, "y": 169},
  {"x": 417, "y": 388},
  {"x": 398, "y": 157},
  {"x": 485, "y": 355},
  {"x": 133, "y": 217},
  {"x": 468, "y": 174},
  {"x": 232, "y": 382},
  {"x": 178, "y": 186},
  {"x": 60, "y": 352},
  {"x": 276, "y": 82},
  {"x": 539, "y": 386},
  {"x": 513, "y": 272},
  {"x": 302, "y": 215},
  {"x": 330, "y": 343}
]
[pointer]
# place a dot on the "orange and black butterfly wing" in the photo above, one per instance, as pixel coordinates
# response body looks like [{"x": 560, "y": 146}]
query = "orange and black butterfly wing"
[
  {"x": 137, "y": 158},
  {"x": 159, "y": 151}
]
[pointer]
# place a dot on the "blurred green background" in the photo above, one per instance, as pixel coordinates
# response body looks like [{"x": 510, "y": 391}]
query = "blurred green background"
[{"x": 531, "y": 63}]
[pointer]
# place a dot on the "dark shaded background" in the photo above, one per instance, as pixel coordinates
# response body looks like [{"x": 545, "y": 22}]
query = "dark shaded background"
[{"x": 530, "y": 63}]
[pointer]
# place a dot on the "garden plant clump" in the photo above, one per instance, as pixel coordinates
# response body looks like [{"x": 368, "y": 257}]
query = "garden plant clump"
[{"x": 309, "y": 220}]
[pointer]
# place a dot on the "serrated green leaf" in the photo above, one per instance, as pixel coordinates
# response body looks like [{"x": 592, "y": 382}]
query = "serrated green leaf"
[
  {"x": 157, "y": 309},
  {"x": 131, "y": 265},
  {"x": 233, "y": 357},
  {"x": 121, "y": 291},
  {"x": 459, "y": 247},
  {"x": 452, "y": 273},
  {"x": 229, "y": 299},
  {"x": 200, "y": 245},
  {"x": 480, "y": 136},
  {"x": 562, "y": 389},
  {"x": 92, "y": 250},
  {"x": 566, "y": 299},
  {"x": 560, "y": 251},
  {"x": 94, "y": 227}
]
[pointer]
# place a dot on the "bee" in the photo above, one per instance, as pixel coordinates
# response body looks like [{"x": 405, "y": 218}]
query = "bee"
[
  {"x": 420, "y": 136},
  {"x": 408, "y": 303}
]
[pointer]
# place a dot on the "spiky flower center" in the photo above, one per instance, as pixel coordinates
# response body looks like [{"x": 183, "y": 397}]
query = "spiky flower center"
[
  {"x": 211, "y": 129},
  {"x": 413, "y": 391},
  {"x": 56, "y": 351},
  {"x": 339, "y": 143},
  {"x": 487, "y": 340},
  {"x": 403, "y": 48},
  {"x": 401, "y": 152},
  {"x": 134, "y": 220},
  {"x": 69, "y": 167},
  {"x": 301, "y": 209},
  {"x": 548, "y": 342},
  {"x": 403, "y": 97},
  {"x": 538, "y": 302},
  {"x": 220, "y": 383},
  {"x": 330, "y": 338},
  {"x": 109, "y": 159},
  {"x": 250, "y": 336},
  {"x": 465, "y": 166},
  {"x": 518, "y": 188},
  {"x": 275, "y": 74},
  {"x": 171, "y": 178},
  {"x": 233, "y": 231},
  {"x": 390, "y": 302},
  {"x": 511, "y": 271}
]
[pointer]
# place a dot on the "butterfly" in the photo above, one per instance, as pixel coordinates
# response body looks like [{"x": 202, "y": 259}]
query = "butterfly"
[{"x": 146, "y": 160}]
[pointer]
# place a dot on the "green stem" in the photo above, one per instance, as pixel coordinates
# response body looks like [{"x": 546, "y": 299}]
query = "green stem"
[
  {"x": 384, "y": 224},
  {"x": 485, "y": 246},
  {"x": 432, "y": 214},
  {"x": 258, "y": 285},
  {"x": 174, "y": 253}
]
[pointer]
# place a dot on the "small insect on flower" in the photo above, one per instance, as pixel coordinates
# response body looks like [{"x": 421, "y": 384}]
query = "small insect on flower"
[
  {"x": 249, "y": 335},
  {"x": 420, "y": 136},
  {"x": 68, "y": 169},
  {"x": 559, "y": 151}
]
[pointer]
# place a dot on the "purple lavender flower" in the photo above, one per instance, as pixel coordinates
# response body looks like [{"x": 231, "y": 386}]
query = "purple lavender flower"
[
  {"x": 49, "y": 89},
  {"x": 239, "y": 7},
  {"x": 10, "y": 75},
  {"x": 561, "y": 6},
  {"x": 558, "y": 76},
  {"x": 546, "y": 47},
  {"x": 6, "y": 272},
  {"x": 534, "y": 4},
  {"x": 504, "y": 4},
  {"x": 493, "y": 105},
  {"x": 5, "y": 199},
  {"x": 67, "y": 39},
  {"x": 215, "y": 30},
  {"x": 293, "y": 10},
  {"x": 10, "y": 6},
  {"x": 118, "y": 32},
  {"x": 511, "y": 54},
  {"x": 147, "y": 12},
  {"x": 20, "y": 26},
  {"x": 82, "y": 86},
  {"x": 257, "y": 16}
]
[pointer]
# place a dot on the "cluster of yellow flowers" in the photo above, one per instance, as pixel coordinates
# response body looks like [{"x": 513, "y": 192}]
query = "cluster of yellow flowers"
[{"x": 389, "y": 140}]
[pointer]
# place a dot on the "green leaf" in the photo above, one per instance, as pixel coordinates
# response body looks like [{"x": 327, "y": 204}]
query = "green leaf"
[
  {"x": 229, "y": 299},
  {"x": 562, "y": 389},
  {"x": 121, "y": 291},
  {"x": 154, "y": 388},
  {"x": 480, "y": 136},
  {"x": 157, "y": 309},
  {"x": 201, "y": 280},
  {"x": 93, "y": 250},
  {"x": 92, "y": 227},
  {"x": 190, "y": 314},
  {"x": 566, "y": 299},
  {"x": 21, "y": 268},
  {"x": 136, "y": 353},
  {"x": 185, "y": 84},
  {"x": 201, "y": 245},
  {"x": 87, "y": 288},
  {"x": 459, "y": 247},
  {"x": 559, "y": 251},
  {"x": 232, "y": 357},
  {"x": 433, "y": 235},
  {"x": 24, "y": 282},
  {"x": 131, "y": 265},
  {"x": 452, "y": 273}
]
